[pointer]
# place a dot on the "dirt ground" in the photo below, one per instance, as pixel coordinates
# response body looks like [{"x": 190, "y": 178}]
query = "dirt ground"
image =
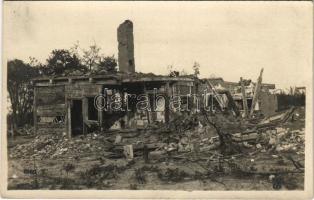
[{"x": 86, "y": 163}]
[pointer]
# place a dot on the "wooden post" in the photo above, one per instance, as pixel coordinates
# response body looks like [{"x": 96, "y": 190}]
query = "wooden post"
[
  {"x": 85, "y": 114},
  {"x": 35, "y": 110},
  {"x": 147, "y": 112},
  {"x": 154, "y": 105},
  {"x": 256, "y": 91},
  {"x": 100, "y": 112},
  {"x": 12, "y": 131},
  {"x": 167, "y": 103},
  {"x": 245, "y": 107},
  {"x": 68, "y": 121},
  {"x": 196, "y": 88}
]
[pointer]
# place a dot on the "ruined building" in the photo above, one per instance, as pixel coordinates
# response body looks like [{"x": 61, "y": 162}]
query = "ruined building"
[
  {"x": 68, "y": 103},
  {"x": 79, "y": 104},
  {"x": 267, "y": 102}
]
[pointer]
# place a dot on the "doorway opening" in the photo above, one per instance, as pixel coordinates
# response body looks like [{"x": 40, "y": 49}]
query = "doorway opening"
[
  {"x": 92, "y": 111},
  {"x": 76, "y": 117}
]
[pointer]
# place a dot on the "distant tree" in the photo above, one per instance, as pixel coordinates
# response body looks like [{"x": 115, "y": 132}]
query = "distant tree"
[
  {"x": 91, "y": 57},
  {"x": 172, "y": 72},
  {"x": 20, "y": 90},
  {"x": 33, "y": 62},
  {"x": 108, "y": 63},
  {"x": 75, "y": 49},
  {"x": 170, "y": 68},
  {"x": 76, "y": 59},
  {"x": 61, "y": 60},
  {"x": 196, "y": 69}
]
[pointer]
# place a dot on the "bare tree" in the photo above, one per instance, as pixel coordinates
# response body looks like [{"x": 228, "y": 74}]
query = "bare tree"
[{"x": 91, "y": 57}]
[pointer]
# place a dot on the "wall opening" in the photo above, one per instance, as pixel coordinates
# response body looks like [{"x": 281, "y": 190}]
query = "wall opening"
[
  {"x": 249, "y": 103},
  {"x": 76, "y": 117},
  {"x": 92, "y": 111}
]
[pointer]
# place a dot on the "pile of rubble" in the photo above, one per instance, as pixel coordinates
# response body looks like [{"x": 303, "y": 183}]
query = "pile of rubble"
[
  {"x": 213, "y": 144},
  {"x": 25, "y": 130},
  {"x": 197, "y": 133},
  {"x": 54, "y": 146}
]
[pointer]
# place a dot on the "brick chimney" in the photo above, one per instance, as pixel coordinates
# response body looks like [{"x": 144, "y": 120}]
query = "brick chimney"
[{"x": 126, "y": 47}]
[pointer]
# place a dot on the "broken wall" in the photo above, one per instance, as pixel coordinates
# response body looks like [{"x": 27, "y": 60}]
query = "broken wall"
[
  {"x": 286, "y": 101},
  {"x": 51, "y": 103},
  {"x": 50, "y": 108},
  {"x": 86, "y": 93},
  {"x": 82, "y": 90},
  {"x": 268, "y": 104}
]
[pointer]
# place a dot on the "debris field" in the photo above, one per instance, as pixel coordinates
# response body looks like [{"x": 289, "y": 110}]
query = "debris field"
[{"x": 193, "y": 152}]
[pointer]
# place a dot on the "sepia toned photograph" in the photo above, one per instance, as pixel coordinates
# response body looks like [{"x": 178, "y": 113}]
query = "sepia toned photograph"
[{"x": 157, "y": 96}]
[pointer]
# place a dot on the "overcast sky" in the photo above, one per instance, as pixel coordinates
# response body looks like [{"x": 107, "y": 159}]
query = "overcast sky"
[{"x": 227, "y": 39}]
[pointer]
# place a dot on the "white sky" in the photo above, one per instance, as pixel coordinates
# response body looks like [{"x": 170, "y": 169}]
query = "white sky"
[{"x": 228, "y": 39}]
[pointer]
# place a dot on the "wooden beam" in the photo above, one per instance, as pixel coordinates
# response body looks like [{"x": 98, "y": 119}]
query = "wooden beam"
[
  {"x": 85, "y": 114},
  {"x": 147, "y": 112},
  {"x": 244, "y": 100},
  {"x": 68, "y": 119},
  {"x": 100, "y": 111},
  {"x": 51, "y": 110},
  {"x": 167, "y": 103},
  {"x": 35, "y": 110},
  {"x": 154, "y": 105},
  {"x": 256, "y": 92}
]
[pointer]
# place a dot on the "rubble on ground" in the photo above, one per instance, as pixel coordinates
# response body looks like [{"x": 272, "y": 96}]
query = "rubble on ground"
[
  {"x": 193, "y": 135},
  {"x": 218, "y": 144},
  {"x": 25, "y": 130}
]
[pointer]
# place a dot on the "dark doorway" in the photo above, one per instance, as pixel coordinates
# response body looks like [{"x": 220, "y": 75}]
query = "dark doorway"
[
  {"x": 76, "y": 117},
  {"x": 249, "y": 103},
  {"x": 92, "y": 111}
]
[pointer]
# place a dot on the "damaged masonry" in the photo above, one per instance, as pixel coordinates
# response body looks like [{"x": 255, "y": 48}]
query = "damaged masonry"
[{"x": 130, "y": 130}]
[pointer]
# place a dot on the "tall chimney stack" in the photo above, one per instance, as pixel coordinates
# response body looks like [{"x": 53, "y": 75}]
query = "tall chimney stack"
[{"x": 126, "y": 47}]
